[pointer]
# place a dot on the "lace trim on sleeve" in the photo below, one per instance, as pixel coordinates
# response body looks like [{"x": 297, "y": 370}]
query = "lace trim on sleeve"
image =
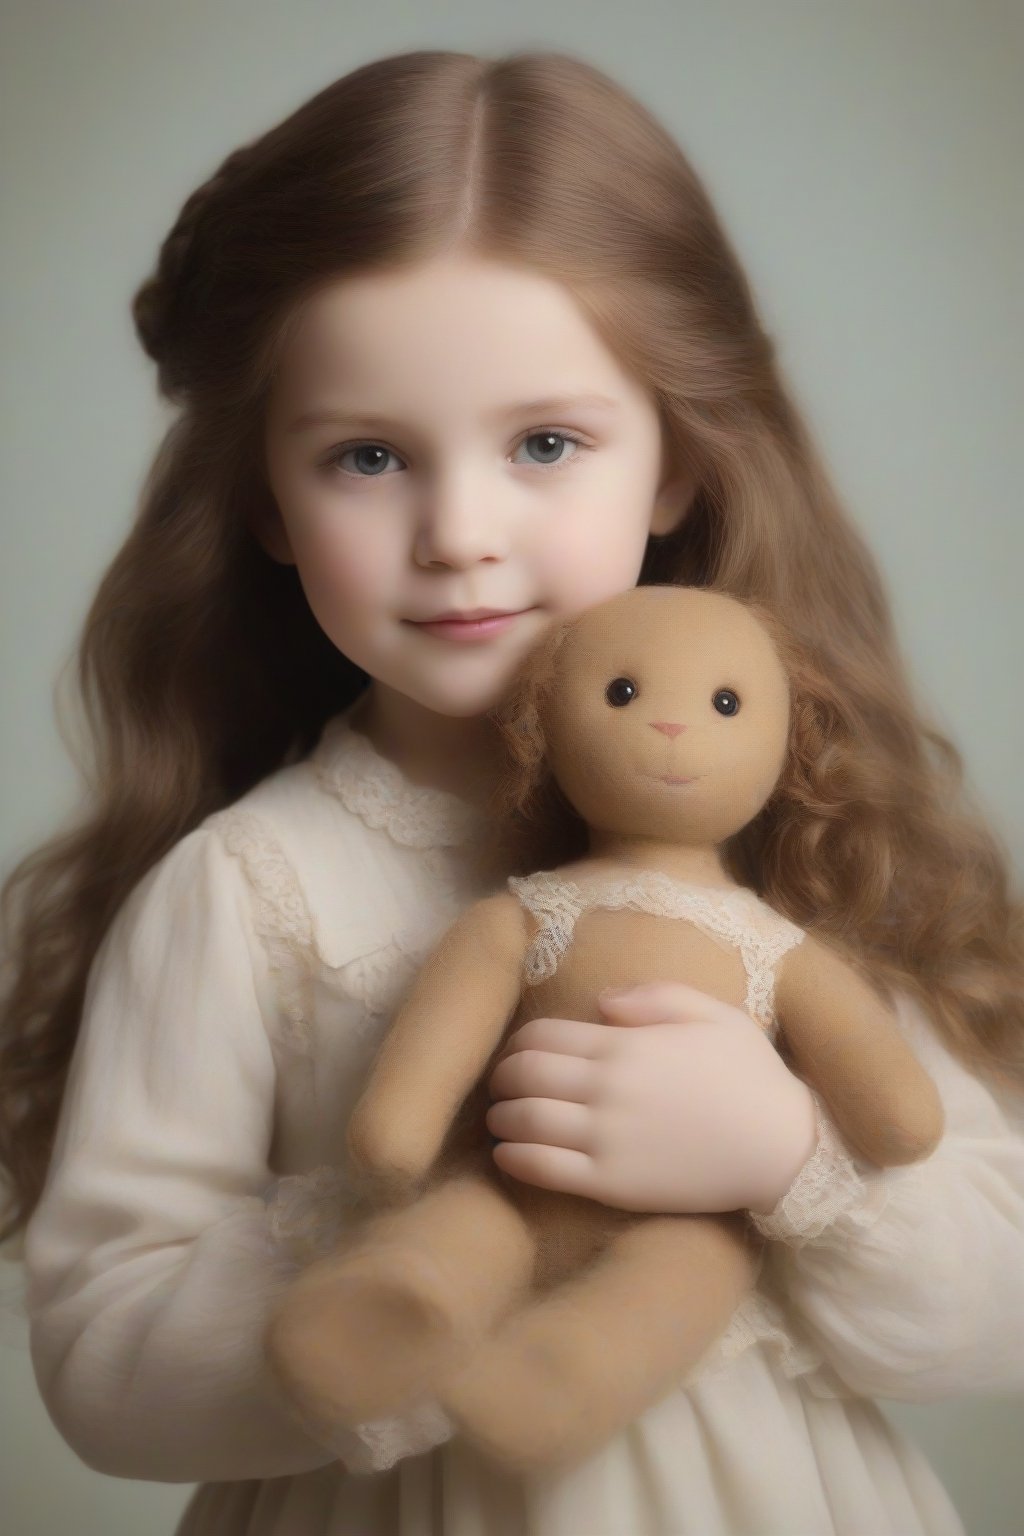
[
  {"x": 378, "y": 1444},
  {"x": 307, "y": 1214},
  {"x": 829, "y": 1185}
]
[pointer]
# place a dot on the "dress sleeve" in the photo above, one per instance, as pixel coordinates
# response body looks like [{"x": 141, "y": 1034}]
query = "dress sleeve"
[
  {"x": 910, "y": 1280},
  {"x": 159, "y": 1246}
]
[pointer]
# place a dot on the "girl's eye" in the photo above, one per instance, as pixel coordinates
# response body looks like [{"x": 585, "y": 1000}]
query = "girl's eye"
[
  {"x": 725, "y": 701},
  {"x": 620, "y": 691},
  {"x": 549, "y": 442},
  {"x": 369, "y": 457},
  {"x": 368, "y": 461}
]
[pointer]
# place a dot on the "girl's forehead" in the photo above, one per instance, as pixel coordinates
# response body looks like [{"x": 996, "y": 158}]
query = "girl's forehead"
[{"x": 497, "y": 320}]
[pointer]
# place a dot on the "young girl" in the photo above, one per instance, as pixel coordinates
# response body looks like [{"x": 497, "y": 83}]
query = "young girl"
[{"x": 466, "y": 335}]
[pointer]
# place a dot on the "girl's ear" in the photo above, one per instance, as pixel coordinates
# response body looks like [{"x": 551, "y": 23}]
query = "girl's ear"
[
  {"x": 267, "y": 527},
  {"x": 672, "y": 503}
]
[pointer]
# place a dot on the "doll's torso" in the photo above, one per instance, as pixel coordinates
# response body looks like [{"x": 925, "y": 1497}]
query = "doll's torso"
[{"x": 596, "y": 928}]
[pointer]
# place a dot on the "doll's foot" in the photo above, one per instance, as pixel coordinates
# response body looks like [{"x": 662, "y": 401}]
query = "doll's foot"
[
  {"x": 358, "y": 1337},
  {"x": 523, "y": 1400}
]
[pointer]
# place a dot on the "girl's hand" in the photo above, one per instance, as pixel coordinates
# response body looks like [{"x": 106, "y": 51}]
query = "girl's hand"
[{"x": 679, "y": 1103}]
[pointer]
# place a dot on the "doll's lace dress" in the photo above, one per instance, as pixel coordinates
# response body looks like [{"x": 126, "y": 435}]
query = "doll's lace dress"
[{"x": 732, "y": 914}]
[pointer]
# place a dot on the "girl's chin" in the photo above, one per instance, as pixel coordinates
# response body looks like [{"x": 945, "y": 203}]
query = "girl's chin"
[
  {"x": 476, "y": 695},
  {"x": 468, "y": 710}
]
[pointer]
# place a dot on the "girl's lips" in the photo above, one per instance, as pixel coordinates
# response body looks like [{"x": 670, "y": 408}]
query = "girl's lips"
[{"x": 471, "y": 629}]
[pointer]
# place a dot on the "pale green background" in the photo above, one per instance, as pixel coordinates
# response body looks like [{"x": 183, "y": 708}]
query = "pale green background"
[{"x": 866, "y": 158}]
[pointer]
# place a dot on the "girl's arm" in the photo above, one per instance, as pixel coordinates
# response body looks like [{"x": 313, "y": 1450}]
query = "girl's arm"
[
  {"x": 163, "y": 1237},
  {"x": 911, "y": 1279}
]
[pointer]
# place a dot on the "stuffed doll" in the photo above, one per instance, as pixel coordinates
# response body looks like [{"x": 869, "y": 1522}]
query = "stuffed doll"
[{"x": 669, "y": 718}]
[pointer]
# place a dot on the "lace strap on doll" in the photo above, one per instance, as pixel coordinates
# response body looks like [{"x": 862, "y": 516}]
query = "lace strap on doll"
[
  {"x": 769, "y": 937},
  {"x": 736, "y": 917},
  {"x": 556, "y": 904},
  {"x": 282, "y": 919}
]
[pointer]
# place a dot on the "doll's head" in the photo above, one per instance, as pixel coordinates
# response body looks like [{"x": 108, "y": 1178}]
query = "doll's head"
[
  {"x": 661, "y": 684},
  {"x": 662, "y": 713}
]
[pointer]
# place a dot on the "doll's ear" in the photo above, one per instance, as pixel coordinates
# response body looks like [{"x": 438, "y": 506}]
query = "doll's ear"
[{"x": 520, "y": 722}]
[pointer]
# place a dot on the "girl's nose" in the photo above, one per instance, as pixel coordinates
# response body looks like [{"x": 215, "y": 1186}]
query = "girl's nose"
[
  {"x": 458, "y": 528},
  {"x": 670, "y": 727}
]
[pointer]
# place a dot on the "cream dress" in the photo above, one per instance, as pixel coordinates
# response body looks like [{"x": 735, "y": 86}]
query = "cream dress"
[{"x": 229, "y": 1021}]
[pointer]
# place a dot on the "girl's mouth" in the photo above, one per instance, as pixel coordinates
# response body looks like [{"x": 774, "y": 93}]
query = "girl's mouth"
[{"x": 471, "y": 629}]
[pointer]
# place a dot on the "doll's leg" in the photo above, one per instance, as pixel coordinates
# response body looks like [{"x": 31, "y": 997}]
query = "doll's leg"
[
  {"x": 367, "y": 1329},
  {"x": 562, "y": 1375}
]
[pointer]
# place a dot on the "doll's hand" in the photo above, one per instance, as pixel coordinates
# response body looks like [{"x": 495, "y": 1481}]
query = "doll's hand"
[
  {"x": 690, "y": 1108},
  {"x": 386, "y": 1168}
]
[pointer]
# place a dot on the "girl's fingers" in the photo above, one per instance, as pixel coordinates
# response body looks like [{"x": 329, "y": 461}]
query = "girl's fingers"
[
  {"x": 545, "y": 1075},
  {"x": 652, "y": 1003},
  {"x": 571, "y": 1037},
  {"x": 661, "y": 1002},
  {"x": 547, "y": 1122},
  {"x": 547, "y": 1167}
]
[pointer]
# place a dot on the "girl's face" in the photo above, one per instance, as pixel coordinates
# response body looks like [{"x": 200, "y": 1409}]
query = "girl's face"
[{"x": 456, "y": 436}]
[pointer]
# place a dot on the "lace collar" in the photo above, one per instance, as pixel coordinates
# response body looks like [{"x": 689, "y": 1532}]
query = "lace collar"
[{"x": 348, "y": 765}]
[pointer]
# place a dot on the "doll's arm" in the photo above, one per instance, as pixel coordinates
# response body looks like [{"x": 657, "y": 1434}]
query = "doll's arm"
[
  {"x": 845, "y": 1043},
  {"x": 439, "y": 1044}
]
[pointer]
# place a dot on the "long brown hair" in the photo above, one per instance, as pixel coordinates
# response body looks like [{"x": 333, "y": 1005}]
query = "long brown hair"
[{"x": 201, "y": 668}]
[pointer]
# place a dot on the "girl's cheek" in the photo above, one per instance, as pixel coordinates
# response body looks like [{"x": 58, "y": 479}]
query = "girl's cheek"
[
  {"x": 348, "y": 553},
  {"x": 593, "y": 555}
]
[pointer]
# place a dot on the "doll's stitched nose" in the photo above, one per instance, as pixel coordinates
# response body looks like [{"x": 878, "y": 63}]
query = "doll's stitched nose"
[{"x": 669, "y": 727}]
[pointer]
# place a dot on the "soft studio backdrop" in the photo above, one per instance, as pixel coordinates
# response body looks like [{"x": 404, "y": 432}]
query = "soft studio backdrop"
[{"x": 865, "y": 156}]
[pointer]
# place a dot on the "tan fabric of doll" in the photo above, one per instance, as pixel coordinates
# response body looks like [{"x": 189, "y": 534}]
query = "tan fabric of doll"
[{"x": 545, "y": 1322}]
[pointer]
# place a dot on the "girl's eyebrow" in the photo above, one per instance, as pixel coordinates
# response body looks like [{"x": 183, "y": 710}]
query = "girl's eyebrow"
[{"x": 332, "y": 415}]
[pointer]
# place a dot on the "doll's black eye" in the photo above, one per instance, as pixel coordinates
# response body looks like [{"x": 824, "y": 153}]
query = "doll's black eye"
[
  {"x": 726, "y": 702},
  {"x": 621, "y": 690}
]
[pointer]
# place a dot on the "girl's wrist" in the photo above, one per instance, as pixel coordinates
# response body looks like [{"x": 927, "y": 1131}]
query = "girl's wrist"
[{"x": 788, "y": 1155}]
